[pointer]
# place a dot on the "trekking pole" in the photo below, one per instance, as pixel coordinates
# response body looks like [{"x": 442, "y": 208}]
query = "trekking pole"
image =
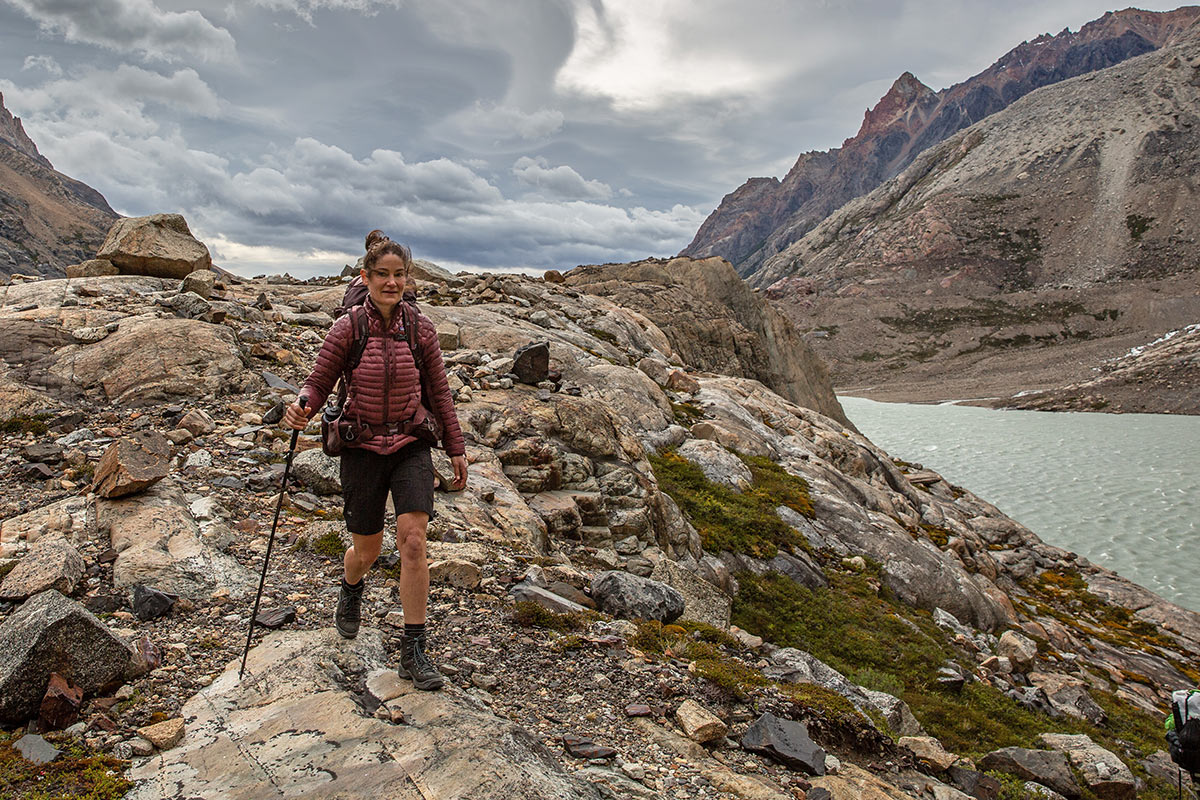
[{"x": 287, "y": 468}]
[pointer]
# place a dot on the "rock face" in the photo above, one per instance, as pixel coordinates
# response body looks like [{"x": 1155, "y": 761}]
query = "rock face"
[
  {"x": 274, "y": 727},
  {"x": 764, "y": 216},
  {"x": 51, "y": 633},
  {"x": 47, "y": 220},
  {"x": 716, "y": 323},
  {"x": 160, "y": 245}
]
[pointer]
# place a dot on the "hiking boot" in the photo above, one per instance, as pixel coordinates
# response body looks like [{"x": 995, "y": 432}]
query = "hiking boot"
[
  {"x": 415, "y": 665},
  {"x": 349, "y": 609}
]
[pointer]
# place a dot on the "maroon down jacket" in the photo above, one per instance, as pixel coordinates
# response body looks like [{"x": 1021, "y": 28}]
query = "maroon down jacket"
[{"x": 385, "y": 387}]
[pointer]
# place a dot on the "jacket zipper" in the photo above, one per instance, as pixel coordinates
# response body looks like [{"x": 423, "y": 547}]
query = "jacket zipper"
[{"x": 387, "y": 378}]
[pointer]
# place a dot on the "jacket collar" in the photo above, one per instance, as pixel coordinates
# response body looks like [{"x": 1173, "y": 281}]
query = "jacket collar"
[{"x": 397, "y": 323}]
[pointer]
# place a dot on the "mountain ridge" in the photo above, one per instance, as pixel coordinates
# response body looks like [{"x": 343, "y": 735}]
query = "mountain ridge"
[
  {"x": 764, "y": 215},
  {"x": 48, "y": 220}
]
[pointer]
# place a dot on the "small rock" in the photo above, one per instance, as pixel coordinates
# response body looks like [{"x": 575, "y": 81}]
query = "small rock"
[
  {"x": 581, "y": 747},
  {"x": 35, "y": 749},
  {"x": 785, "y": 741},
  {"x": 929, "y": 751},
  {"x": 200, "y": 282},
  {"x": 275, "y": 618},
  {"x": 198, "y": 422},
  {"x": 163, "y": 735},
  {"x": 149, "y": 603},
  {"x": 531, "y": 363},
  {"x": 456, "y": 572},
  {"x": 699, "y": 724},
  {"x": 60, "y": 706},
  {"x": 132, "y": 464}
]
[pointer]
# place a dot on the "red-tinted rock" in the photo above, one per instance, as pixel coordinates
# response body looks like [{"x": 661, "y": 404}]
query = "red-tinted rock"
[{"x": 60, "y": 706}]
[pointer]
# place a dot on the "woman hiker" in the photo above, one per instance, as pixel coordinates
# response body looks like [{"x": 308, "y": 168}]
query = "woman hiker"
[{"x": 384, "y": 395}]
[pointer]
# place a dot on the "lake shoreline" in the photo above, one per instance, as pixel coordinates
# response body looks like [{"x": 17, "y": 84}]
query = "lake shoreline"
[{"x": 1117, "y": 489}]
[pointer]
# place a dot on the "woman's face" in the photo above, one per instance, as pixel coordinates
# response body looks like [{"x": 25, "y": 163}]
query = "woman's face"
[{"x": 385, "y": 281}]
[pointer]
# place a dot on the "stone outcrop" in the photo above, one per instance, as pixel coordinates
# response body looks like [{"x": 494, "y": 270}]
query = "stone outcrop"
[
  {"x": 159, "y": 543},
  {"x": 765, "y": 215},
  {"x": 565, "y": 486},
  {"x": 160, "y": 245},
  {"x": 714, "y": 322},
  {"x": 293, "y": 720}
]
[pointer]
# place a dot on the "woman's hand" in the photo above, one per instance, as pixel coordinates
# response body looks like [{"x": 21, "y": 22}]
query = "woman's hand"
[
  {"x": 296, "y": 417},
  {"x": 460, "y": 473}
]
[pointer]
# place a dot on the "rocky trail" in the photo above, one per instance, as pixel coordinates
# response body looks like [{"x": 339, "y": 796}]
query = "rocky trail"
[{"x": 660, "y": 581}]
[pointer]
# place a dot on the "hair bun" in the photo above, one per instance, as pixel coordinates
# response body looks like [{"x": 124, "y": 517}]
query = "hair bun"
[{"x": 375, "y": 237}]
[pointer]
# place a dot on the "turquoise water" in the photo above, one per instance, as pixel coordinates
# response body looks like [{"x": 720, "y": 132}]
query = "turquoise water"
[{"x": 1121, "y": 489}]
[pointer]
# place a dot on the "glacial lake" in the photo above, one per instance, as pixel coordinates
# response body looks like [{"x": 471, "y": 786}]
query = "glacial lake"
[{"x": 1123, "y": 490}]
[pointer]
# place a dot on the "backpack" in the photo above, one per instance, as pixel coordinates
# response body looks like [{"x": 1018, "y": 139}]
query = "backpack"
[
  {"x": 1183, "y": 730},
  {"x": 337, "y": 432}
]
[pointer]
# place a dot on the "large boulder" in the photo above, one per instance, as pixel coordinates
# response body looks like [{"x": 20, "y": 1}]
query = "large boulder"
[
  {"x": 52, "y": 633},
  {"x": 628, "y": 596},
  {"x": 160, "y": 245},
  {"x": 318, "y": 472},
  {"x": 294, "y": 721},
  {"x": 1042, "y": 766},
  {"x": 1103, "y": 772},
  {"x": 49, "y": 565},
  {"x": 702, "y": 601}
]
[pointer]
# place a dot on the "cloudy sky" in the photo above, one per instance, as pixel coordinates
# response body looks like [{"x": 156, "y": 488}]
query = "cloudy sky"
[{"x": 524, "y": 134}]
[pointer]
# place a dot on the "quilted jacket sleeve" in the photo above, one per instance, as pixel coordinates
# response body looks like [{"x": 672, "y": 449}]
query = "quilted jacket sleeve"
[
  {"x": 330, "y": 361},
  {"x": 441, "y": 399}
]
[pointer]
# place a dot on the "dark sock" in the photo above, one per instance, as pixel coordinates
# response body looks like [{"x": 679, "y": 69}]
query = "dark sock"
[
  {"x": 352, "y": 586},
  {"x": 414, "y": 630}
]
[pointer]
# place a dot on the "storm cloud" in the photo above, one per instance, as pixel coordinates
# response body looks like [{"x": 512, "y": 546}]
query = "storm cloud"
[{"x": 530, "y": 134}]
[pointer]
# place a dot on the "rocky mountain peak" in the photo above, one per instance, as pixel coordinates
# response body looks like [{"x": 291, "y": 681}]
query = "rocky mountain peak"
[
  {"x": 905, "y": 94},
  {"x": 12, "y": 133},
  {"x": 750, "y": 227},
  {"x": 48, "y": 221}
]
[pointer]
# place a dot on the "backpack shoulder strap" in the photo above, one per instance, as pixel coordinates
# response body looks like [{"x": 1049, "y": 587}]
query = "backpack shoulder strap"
[
  {"x": 361, "y": 326},
  {"x": 412, "y": 331}
]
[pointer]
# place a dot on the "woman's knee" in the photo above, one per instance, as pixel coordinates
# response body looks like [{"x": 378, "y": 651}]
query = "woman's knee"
[
  {"x": 410, "y": 534},
  {"x": 366, "y": 549}
]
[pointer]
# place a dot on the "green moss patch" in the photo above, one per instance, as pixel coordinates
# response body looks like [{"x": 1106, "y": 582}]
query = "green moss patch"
[
  {"x": 26, "y": 423},
  {"x": 328, "y": 544},
  {"x": 78, "y": 774},
  {"x": 530, "y": 615},
  {"x": 743, "y": 522},
  {"x": 1138, "y": 225}
]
